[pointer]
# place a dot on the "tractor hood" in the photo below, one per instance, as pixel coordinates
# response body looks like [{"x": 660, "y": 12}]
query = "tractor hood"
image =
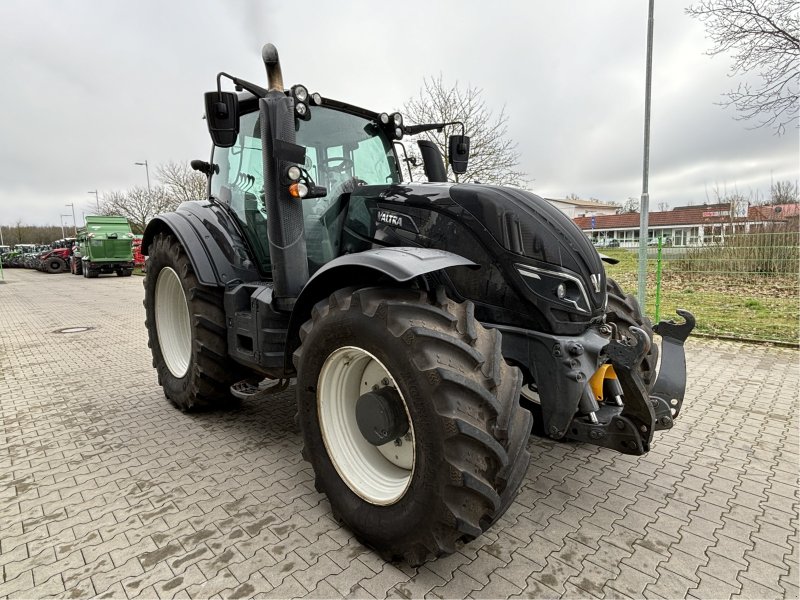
[
  {"x": 542, "y": 253},
  {"x": 528, "y": 225}
]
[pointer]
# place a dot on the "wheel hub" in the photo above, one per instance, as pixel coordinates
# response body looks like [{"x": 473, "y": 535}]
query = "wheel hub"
[{"x": 381, "y": 417}]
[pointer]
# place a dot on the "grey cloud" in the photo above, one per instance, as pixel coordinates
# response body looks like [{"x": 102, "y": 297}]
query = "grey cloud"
[{"x": 93, "y": 87}]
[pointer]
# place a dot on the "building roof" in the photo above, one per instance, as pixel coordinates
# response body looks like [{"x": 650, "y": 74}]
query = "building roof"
[
  {"x": 582, "y": 203},
  {"x": 690, "y": 215}
]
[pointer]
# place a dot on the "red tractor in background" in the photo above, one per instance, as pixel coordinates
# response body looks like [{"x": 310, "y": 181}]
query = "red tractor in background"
[
  {"x": 138, "y": 257},
  {"x": 55, "y": 261}
]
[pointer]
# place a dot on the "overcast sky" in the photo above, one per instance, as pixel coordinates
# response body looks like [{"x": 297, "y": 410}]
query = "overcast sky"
[{"x": 91, "y": 87}]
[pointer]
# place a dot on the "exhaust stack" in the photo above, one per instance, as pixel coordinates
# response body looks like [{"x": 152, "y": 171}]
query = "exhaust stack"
[
  {"x": 285, "y": 228},
  {"x": 269, "y": 53}
]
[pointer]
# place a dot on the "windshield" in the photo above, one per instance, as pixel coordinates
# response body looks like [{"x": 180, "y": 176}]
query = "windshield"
[
  {"x": 342, "y": 146},
  {"x": 342, "y": 151}
]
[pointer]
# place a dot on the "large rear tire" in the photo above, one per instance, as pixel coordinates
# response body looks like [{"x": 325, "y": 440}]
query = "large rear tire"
[
  {"x": 55, "y": 265},
  {"x": 624, "y": 311},
  {"x": 461, "y": 463},
  {"x": 186, "y": 331}
]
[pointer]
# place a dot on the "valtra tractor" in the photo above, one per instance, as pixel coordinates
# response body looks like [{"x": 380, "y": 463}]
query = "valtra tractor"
[{"x": 430, "y": 326}]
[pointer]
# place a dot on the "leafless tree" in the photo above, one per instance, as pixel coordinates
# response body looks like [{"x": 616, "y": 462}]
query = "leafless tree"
[
  {"x": 631, "y": 205},
  {"x": 138, "y": 205},
  {"x": 182, "y": 182},
  {"x": 784, "y": 192},
  {"x": 763, "y": 37},
  {"x": 663, "y": 206},
  {"x": 493, "y": 155}
]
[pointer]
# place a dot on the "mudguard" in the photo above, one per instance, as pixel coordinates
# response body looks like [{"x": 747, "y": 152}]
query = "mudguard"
[
  {"x": 210, "y": 237},
  {"x": 398, "y": 264}
]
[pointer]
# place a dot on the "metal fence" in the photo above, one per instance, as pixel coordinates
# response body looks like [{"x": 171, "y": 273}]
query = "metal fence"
[{"x": 743, "y": 286}]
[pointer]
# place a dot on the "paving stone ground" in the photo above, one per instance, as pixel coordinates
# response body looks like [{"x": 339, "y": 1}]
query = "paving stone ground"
[{"x": 106, "y": 490}]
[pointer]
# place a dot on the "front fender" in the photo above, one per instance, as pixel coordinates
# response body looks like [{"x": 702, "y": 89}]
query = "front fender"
[
  {"x": 399, "y": 264},
  {"x": 211, "y": 240}
]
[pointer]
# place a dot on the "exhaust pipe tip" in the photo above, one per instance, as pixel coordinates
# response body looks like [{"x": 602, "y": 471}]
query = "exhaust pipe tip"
[{"x": 269, "y": 54}]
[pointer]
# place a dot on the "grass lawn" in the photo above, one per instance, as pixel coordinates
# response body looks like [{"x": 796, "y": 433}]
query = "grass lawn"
[{"x": 739, "y": 305}]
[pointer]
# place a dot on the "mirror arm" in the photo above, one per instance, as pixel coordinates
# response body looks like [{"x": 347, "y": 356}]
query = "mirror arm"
[
  {"x": 415, "y": 129},
  {"x": 256, "y": 90}
]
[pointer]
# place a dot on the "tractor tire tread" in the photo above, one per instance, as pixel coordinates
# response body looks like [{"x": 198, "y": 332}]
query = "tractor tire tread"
[
  {"x": 211, "y": 372},
  {"x": 472, "y": 389}
]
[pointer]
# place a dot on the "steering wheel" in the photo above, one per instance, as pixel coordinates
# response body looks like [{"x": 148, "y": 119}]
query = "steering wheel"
[{"x": 337, "y": 164}]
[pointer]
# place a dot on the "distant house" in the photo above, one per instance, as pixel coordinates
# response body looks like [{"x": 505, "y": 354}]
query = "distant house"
[
  {"x": 582, "y": 208},
  {"x": 688, "y": 225}
]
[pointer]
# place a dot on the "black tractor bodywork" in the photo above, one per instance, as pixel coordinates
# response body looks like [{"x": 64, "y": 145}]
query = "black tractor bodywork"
[
  {"x": 530, "y": 272},
  {"x": 430, "y": 326}
]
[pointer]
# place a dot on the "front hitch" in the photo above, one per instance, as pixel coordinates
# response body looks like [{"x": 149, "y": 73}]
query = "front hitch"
[
  {"x": 629, "y": 428},
  {"x": 637, "y": 412}
]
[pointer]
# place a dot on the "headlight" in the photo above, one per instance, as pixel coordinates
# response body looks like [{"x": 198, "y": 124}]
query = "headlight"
[{"x": 556, "y": 286}]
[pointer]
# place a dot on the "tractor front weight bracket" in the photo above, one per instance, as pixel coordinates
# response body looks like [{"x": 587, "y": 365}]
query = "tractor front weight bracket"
[{"x": 669, "y": 389}]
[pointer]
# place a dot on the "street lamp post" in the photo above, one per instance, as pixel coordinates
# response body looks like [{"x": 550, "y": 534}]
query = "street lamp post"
[
  {"x": 63, "y": 232},
  {"x": 644, "y": 209},
  {"x": 97, "y": 199},
  {"x": 74, "y": 223},
  {"x": 147, "y": 172}
]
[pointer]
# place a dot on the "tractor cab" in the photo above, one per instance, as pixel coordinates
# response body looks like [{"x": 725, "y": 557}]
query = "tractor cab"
[{"x": 345, "y": 148}]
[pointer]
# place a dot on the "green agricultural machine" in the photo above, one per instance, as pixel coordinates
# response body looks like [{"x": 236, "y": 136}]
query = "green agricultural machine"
[
  {"x": 104, "y": 246},
  {"x": 430, "y": 327}
]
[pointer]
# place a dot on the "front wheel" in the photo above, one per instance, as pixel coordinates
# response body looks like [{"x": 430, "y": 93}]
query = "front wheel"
[
  {"x": 186, "y": 331},
  {"x": 624, "y": 312},
  {"x": 410, "y": 418}
]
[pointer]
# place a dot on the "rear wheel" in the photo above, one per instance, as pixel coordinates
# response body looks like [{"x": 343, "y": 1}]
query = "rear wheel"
[
  {"x": 186, "y": 331},
  {"x": 624, "y": 312},
  {"x": 410, "y": 418},
  {"x": 55, "y": 265}
]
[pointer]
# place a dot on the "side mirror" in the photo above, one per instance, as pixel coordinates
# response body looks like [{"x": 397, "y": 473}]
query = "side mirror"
[
  {"x": 458, "y": 153},
  {"x": 222, "y": 115}
]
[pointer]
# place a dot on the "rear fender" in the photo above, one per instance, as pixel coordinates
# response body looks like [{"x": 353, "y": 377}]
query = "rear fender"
[
  {"x": 371, "y": 267},
  {"x": 211, "y": 240}
]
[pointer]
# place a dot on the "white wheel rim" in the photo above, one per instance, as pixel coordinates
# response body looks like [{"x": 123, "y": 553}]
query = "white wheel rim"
[
  {"x": 380, "y": 475},
  {"x": 172, "y": 322}
]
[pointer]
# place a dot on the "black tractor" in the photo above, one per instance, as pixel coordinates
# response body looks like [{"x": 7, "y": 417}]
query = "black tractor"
[{"x": 430, "y": 327}]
